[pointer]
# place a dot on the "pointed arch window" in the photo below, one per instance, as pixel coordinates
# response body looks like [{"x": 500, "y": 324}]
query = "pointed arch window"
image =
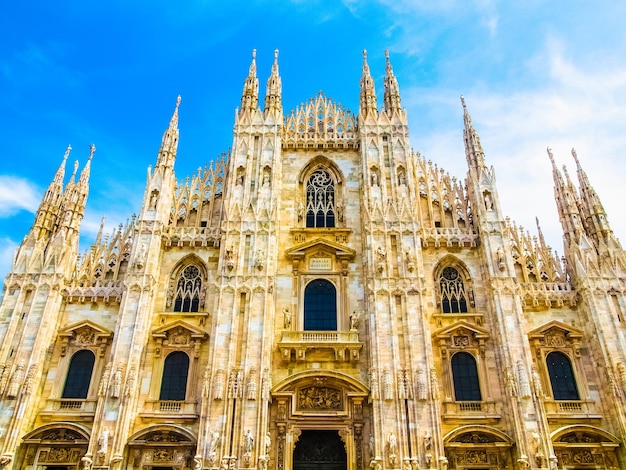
[
  {"x": 188, "y": 290},
  {"x": 562, "y": 377},
  {"x": 174, "y": 380},
  {"x": 453, "y": 295},
  {"x": 465, "y": 377},
  {"x": 79, "y": 375},
  {"x": 320, "y": 200},
  {"x": 320, "y": 306}
]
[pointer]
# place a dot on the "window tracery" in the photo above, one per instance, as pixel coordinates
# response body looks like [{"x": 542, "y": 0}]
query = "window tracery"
[
  {"x": 453, "y": 292},
  {"x": 188, "y": 293},
  {"x": 320, "y": 200}
]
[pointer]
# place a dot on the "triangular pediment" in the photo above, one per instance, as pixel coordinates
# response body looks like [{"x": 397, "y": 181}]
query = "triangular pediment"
[
  {"x": 461, "y": 327},
  {"x": 83, "y": 328},
  {"x": 179, "y": 329},
  {"x": 317, "y": 245},
  {"x": 558, "y": 328}
]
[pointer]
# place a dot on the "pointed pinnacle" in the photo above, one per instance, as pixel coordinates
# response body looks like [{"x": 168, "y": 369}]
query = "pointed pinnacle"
[
  {"x": 75, "y": 170},
  {"x": 275, "y": 64},
  {"x": 551, "y": 156},
  {"x": 575, "y": 155},
  {"x": 252, "y": 69}
]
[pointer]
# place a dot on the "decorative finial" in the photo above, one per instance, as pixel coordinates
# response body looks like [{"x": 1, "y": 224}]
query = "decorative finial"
[
  {"x": 67, "y": 152},
  {"x": 92, "y": 150},
  {"x": 387, "y": 54},
  {"x": 575, "y": 155},
  {"x": 275, "y": 55},
  {"x": 178, "y": 98},
  {"x": 364, "y": 54},
  {"x": 253, "y": 54},
  {"x": 463, "y": 101},
  {"x": 549, "y": 150}
]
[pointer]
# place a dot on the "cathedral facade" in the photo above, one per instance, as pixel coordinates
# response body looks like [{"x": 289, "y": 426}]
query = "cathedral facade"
[{"x": 319, "y": 296}]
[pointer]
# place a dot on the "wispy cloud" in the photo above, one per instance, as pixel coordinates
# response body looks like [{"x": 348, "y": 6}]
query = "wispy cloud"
[
  {"x": 17, "y": 194},
  {"x": 568, "y": 106},
  {"x": 7, "y": 250}
]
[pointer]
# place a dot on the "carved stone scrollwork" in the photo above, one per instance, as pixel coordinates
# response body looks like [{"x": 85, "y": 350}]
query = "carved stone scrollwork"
[
  {"x": 280, "y": 448},
  {"x": 358, "y": 445}
]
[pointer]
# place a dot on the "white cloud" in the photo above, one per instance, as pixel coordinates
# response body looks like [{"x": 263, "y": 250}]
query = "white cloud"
[
  {"x": 17, "y": 194},
  {"x": 571, "y": 107},
  {"x": 7, "y": 250}
]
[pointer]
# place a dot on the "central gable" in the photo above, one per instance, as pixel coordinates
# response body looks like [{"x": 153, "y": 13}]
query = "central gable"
[{"x": 320, "y": 255}]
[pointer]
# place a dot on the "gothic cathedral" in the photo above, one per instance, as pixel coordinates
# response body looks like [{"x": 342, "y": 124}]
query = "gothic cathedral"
[{"x": 320, "y": 296}]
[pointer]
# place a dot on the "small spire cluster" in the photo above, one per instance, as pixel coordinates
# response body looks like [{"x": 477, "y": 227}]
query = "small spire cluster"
[
  {"x": 273, "y": 91},
  {"x": 581, "y": 213}
]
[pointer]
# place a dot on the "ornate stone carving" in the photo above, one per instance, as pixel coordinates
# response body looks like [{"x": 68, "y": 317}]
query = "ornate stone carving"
[
  {"x": 387, "y": 385},
  {"x": 374, "y": 392},
  {"x": 218, "y": 389},
  {"x": 251, "y": 386},
  {"x": 320, "y": 398}
]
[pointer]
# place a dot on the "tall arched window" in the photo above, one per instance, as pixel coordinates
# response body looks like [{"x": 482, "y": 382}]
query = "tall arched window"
[
  {"x": 79, "y": 375},
  {"x": 453, "y": 297},
  {"x": 562, "y": 377},
  {"x": 320, "y": 200},
  {"x": 188, "y": 290},
  {"x": 174, "y": 381},
  {"x": 320, "y": 306},
  {"x": 465, "y": 377}
]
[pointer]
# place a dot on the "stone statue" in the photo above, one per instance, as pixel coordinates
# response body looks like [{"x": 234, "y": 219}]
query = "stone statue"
[
  {"x": 392, "y": 447},
  {"x": 87, "y": 462},
  {"x": 300, "y": 211},
  {"x": 251, "y": 386},
  {"x": 268, "y": 443},
  {"x": 354, "y": 320},
  {"x": 488, "y": 202},
  {"x": 116, "y": 388},
  {"x": 103, "y": 442},
  {"x": 248, "y": 441},
  {"x": 215, "y": 440},
  {"x": 428, "y": 442},
  {"x": 286, "y": 318}
]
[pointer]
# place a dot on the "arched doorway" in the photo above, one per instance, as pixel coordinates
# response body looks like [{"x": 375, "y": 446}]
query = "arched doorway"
[
  {"x": 57, "y": 446},
  {"x": 317, "y": 449}
]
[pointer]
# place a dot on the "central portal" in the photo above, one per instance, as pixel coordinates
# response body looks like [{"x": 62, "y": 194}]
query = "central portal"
[{"x": 317, "y": 450}]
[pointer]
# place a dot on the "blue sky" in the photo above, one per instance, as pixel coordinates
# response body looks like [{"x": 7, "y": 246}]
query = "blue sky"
[{"x": 534, "y": 74}]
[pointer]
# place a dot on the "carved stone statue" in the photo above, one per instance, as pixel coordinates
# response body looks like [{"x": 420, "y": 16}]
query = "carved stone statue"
[
  {"x": 268, "y": 443},
  {"x": 215, "y": 440},
  {"x": 300, "y": 211},
  {"x": 87, "y": 462},
  {"x": 248, "y": 441},
  {"x": 392, "y": 447},
  {"x": 354, "y": 320},
  {"x": 286, "y": 318},
  {"x": 116, "y": 388},
  {"x": 103, "y": 442}
]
